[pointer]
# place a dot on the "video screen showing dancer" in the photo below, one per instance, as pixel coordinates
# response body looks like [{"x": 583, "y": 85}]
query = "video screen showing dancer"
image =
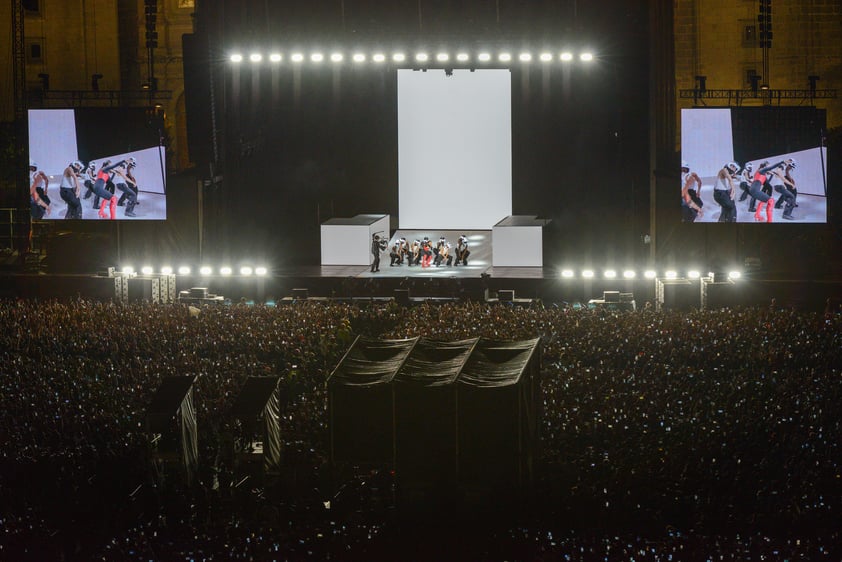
[
  {"x": 753, "y": 165},
  {"x": 108, "y": 164}
]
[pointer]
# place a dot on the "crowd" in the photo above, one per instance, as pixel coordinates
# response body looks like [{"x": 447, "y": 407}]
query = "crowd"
[{"x": 714, "y": 433}]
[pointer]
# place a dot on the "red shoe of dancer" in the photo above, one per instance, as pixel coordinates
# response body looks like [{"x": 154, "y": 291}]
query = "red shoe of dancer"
[{"x": 770, "y": 207}]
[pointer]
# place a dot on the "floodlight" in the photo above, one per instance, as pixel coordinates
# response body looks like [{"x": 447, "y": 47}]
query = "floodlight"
[
  {"x": 586, "y": 57},
  {"x": 566, "y": 57},
  {"x": 184, "y": 270},
  {"x": 442, "y": 57},
  {"x": 398, "y": 57},
  {"x": 127, "y": 270},
  {"x": 337, "y": 57},
  {"x": 462, "y": 57},
  {"x": 246, "y": 270},
  {"x": 236, "y": 57},
  {"x": 734, "y": 275},
  {"x": 317, "y": 57},
  {"x": 610, "y": 274},
  {"x": 587, "y": 274},
  {"x": 358, "y": 57},
  {"x": 205, "y": 270},
  {"x": 567, "y": 273},
  {"x": 525, "y": 57},
  {"x": 297, "y": 57},
  {"x": 484, "y": 57},
  {"x": 147, "y": 270},
  {"x": 166, "y": 270},
  {"x": 379, "y": 57},
  {"x": 225, "y": 270},
  {"x": 505, "y": 57},
  {"x": 629, "y": 274},
  {"x": 650, "y": 274},
  {"x": 422, "y": 57},
  {"x": 276, "y": 57},
  {"x": 546, "y": 57},
  {"x": 671, "y": 274},
  {"x": 255, "y": 57},
  {"x": 261, "y": 271},
  {"x": 693, "y": 274}
]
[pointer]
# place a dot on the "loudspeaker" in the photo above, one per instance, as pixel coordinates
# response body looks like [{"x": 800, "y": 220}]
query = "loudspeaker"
[
  {"x": 301, "y": 294},
  {"x": 506, "y": 295},
  {"x": 402, "y": 297}
]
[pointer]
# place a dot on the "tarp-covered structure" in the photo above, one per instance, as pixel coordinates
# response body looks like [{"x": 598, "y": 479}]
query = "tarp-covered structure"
[
  {"x": 171, "y": 417},
  {"x": 440, "y": 413},
  {"x": 258, "y": 410}
]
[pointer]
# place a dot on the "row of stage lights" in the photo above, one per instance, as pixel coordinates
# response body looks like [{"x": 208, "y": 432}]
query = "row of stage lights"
[
  {"x": 648, "y": 274},
  {"x": 421, "y": 57},
  {"x": 205, "y": 270}
]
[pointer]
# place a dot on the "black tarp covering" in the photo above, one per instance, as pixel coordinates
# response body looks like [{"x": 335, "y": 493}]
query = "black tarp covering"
[
  {"x": 361, "y": 400},
  {"x": 259, "y": 403},
  {"x": 426, "y": 415},
  {"x": 172, "y": 414}
]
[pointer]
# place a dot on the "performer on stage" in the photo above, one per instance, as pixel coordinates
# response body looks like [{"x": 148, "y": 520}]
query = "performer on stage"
[
  {"x": 426, "y": 252},
  {"x": 131, "y": 166},
  {"x": 780, "y": 184},
  {"x": 789, "y": 181},
  {"x": 377, "y": 246},
  {"x": 396, "y": 253},
  {"x": 39, "y": 202},
  {"x": 746, "y": 177},
  {"x": 690, "y": 208},
  {"x": 103, "y": 178},
  {"x": 122, "y": 182},
  {"x": 69, "y": 190},
  {"x": 88, "y": 176},
  {"x": 415, "y": 253},
  {"x": 760, "y": 178},
  {"x": 723, "y": 192},
  {"x": 462, "y": 251},
  {"x": 443, "y": 255}
]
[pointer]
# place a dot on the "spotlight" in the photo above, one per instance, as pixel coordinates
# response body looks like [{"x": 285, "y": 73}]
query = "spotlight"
[
  {"x": 546, "y": 57},
  {"x": 337, "y": 57},
  {"x": 442, "y": 57},
  {"x": 166, "y": 270},
  {"x": 358, "y": 57},
  {"x": 184, "y": 270},
  {"x": 236, "y": 57},
  {"x": 734, "y": 275},
  {"x": 567, "y": 273},
  {"x": 629, "y": 274},
  {"x": 246, "y": 271},
  {"x": 205, "y": 270},
  {"x": 566, "y": 57},
  {"x": 225, "y": 270},
  {"x": 484, "y": 57},
  {"x": 650, "y": 274},
  {"x": 462, "y": 57},
  {"x": 505, "y": 57},
  {"x": 297, "y": 57},
  {"x": 147, "y": 270},
  {"x": 671, "y": 274},
  {"x": 610, "y": 274},
  {"x": 588, "y": 274},
  {"x": 317, "y": 57},
  {"x": 586, "y": 57},
  {"x": 379, "y": 57},
  {"x": 255, "y": 57},
  {"x": 422, "y": 57},
  {"x": 399, "y": 57},
  {"x": 693, "y": 274},
  {"x": 276, "y": 57},
  {"x": 261, "y": 271},
  {"x": 525, "y": 57},
  {"x": 127, "y": 270}
]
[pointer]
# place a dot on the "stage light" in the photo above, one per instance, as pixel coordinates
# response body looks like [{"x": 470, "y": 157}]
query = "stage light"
[
  {"x": 422, "y": 57},
  {"x": 337, "y": 57},
  {"x": 525, "y": 57},
  {"x": 442, "y": 57},
  {"x": 734, "y": 275},
  {"x": 166, "y": 270},
  {"x": 629, "y": 274},
  {"x": 147, "y": 270},
  {"x": 297, "y": 57},
  {"x": 546, "y": 57},
  {"x": 246, "y": 271},
  {"x": 399, "y": 57},
  {"x": 462, "y": 57},
  {"x": 379, "y": 57},
  {"x": 588, "y": 274},
  {"x": 567, "y": 273},
  {"x": 184, "y": 270},
  {"x": 671, "y": 274},
  {"x": 650, "y": 274},
  {"x": 225, "y": 270},
  {"x": 261, "y": 271},
  {"x": 484, "y": 57},
  {"x": 317, "y": 57},
  {"x": 127, "y": 270},
  {"x": 276, "y": 57},
  {"x": 693, "y": 274},
  {"x": 566, "y": 57},
  {"x": 505, "y": 57},
  {"x": 610, "y": 274},
  {"x": 236, "y": 57},
  {"x": 205, "y": 270},
  {"x": 358, "y": 57},
  {"x": 586, "y": 57},
  {"x": 255, "y": 57}
]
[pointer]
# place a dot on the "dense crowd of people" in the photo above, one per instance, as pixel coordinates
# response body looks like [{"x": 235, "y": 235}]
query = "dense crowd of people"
[{"x": 713, "y": 433}]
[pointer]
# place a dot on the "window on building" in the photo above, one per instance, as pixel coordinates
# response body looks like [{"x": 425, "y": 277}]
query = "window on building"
[
  {"x": 35, "y": 51},
  {"x": 749, "y": 33},
  {"x": 31, "y": 6},
  {"x": 749, "y": 77}
]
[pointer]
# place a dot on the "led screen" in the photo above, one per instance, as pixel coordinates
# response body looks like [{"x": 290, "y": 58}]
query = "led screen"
[
  {"x": 711, "y": 139},
  {"x": 454, "y": 149},
  {"x": 60, "y": 137}
]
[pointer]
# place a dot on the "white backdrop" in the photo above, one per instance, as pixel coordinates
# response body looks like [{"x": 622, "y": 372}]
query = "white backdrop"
[
  {"x": 454, "y": 149},
  {"x": 707, "y": 142},
  {"x": 810, "y": 169},
  {"x": 52, "y": 139}
]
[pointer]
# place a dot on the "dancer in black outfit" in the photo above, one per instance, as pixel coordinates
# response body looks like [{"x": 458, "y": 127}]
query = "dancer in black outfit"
[
  {"x": 723, "y": 192},
  {"x": 69, "y": 190}
]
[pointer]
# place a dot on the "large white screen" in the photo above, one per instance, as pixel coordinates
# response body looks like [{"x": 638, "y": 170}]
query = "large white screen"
[
  {"x": 707, "y": 142},
  {"x": 52, "y": 139},
  {"x": 454, "y": 149}
]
